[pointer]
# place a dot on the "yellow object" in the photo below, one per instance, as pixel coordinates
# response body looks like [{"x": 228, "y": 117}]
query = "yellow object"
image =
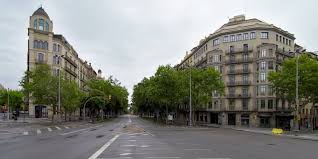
[{"x": 277, "y": 131}]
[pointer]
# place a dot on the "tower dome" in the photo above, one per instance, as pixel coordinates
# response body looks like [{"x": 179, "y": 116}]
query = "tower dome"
[{"x": 41, "y": 12}]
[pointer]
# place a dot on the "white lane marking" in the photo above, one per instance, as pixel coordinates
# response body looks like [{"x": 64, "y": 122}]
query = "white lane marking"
[
  {"x": 144, "y": 145},
  {"x": 214, "y": 158},
  {"x": 104, "y": 147},
  {"x": 125, "y": 154},
  {"x": 38, "y": 131},
  {"x": 132, "y": 140},
  {"x": 80, "y": 130},
  {"x": 66, "y": 127},
  {"x": 129, "y": 145},
  {"x": 196, "y": 149},
  {"x": 49, "y": 129},
  {"x": 129, "y": 120},
  {"x": 58, "y": 128},
  {"x": 25, "y": 133},
  {"x": 162, "y": 157}
]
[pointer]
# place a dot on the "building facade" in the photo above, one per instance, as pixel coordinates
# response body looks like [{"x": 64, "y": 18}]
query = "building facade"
[
  {"x": 244, "y": 51},
  {"x": 46, "y": 47}
]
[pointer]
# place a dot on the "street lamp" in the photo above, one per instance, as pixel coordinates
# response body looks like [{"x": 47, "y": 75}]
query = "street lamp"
[
  {"x": 190, "y": 100},
  {"x": 297, "y": 96},
  {"x": 8, "y": 111}
]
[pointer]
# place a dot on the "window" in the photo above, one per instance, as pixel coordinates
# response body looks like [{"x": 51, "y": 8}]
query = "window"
[
  {"x": 226, "y": 39},
  {"x": 280, "y": 38},
  {"x": 232, "y": 38},
  {"x": 270, "y": 65},
  {"x": 264, "y": 35},
  {"x": 276, "y": 37},
  {"x": 263, "y": 53},
  {"x": 270, "y": 90},
  {"x": 245, "y": 36},
  {"x": 54, "y": 47},
  {"x": 232, "y": 79},
  {"x": 245, "y": 57},
  {"x": 245, "y": 104},
  {"x": 232, "y": 69},
  {"x": 59, "y": 48},
  {"x": 253, "y": 35},
  {"x": 55, "y": 59},
  {"x": 215, "y": 58},
  {"x": 35, "y": 44},
  {"x": 46, "y": 26},
  {"x": 41, "y": 24},
  {"x": 216, "y": 42},
  {"x": 40, "y": 43},
  {"x": 232, "y": 103},
  {"x": 40, "y": 57},
  {"x": 263, "y": 65},
  {"x": 262, "y": 89},
  {"x": 45, "y": 45},
  {"x": 262, "y": 104},
  {"x": 245, "y": 78},
  {"x": 289, "y": 41},
  {"x": 232, "y": 58},
  {"x": 245, "y": 67},
  {"x": 245, "y": 48},
  {"x": 263, "y": 76},
  {"x": 239, "y": 37},
  {"x": 245, "y": 91},
  {"x": 283, "y": 40},
  {"x": 231, "y": 49},
  {"x": 270, "y": 104},
  {"x": 35, "y": 24}
]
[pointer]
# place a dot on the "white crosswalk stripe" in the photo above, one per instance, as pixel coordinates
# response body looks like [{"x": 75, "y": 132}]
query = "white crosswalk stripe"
[
  {"x": 66, "y": 127},
  {"x": 25, "y": 133},
  {"x": 49, "y": 129},
  {"x": 38, "y": 131},
  {"x": 58, "y": 128}
]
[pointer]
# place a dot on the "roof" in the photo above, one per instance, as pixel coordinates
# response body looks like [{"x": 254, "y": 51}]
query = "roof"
[{"x": 40, "y": 11}]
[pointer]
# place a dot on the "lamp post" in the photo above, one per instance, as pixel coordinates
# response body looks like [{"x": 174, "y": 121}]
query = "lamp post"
[
  {"x": 297, "y": 96},
  {"x": 190, "y": 102},
  {"x": 8, "y": 111}
]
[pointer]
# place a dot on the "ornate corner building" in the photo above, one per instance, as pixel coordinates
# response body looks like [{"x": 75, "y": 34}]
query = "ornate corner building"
[
  {"x": 244, "y": 51},
  {"x": 46, "y": 47}
]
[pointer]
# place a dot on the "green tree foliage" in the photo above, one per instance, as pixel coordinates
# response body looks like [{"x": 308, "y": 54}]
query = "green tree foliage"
[
  {"x": 284, "y": 80},
  {"x": 42, "y": 85},
  {"x": 169, "y": 88},
  {"x": 71, "y": 96},
  {"x": 15, "y": 98}
]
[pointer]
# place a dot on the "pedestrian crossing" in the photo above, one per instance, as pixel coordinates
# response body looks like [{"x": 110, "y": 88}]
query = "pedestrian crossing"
[{"x": 50, "y": 129}]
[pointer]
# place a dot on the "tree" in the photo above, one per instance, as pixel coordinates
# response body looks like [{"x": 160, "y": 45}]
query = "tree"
[
  {"x": 15, "y": 98},
  {"x": 284, "y": 81},
  {"x": 42, "y": 85},
  {"x": 71, "y": 97}
]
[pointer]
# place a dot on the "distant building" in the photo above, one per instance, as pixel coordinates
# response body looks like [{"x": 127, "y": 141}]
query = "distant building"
[
  {"x": 44, "y": 46},
  {"x": 1, "y": 86},
  {"x": 244, "y": 51}
]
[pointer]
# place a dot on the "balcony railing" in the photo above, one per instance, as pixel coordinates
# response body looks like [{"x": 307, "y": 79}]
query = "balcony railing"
[
  {"x": 238, "y": 83},
  {"x": 239, "y": 50},
  {"x": 70, "y": 71},
  {"x": 67, "y": 58},
  {"x": 236, "y": 61},
  {"x": 239, "y": 71},
  {"x": 238, "y": 95}
]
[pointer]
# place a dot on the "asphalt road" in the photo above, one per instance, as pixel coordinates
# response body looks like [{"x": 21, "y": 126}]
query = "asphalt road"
[{"x": 132, "y": 137}]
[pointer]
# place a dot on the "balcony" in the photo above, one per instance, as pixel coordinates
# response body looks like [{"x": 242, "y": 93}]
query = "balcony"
[
  {"x": 238, "y": 96},
  {"x": 238, "y": 83},
  {"x": 67, "y": 58},
  {"x": 40, "y": 61},
  {"x": 237, "y": 61},
  {"x": 70, "y": 71},
  {"x": 239, "y": 50},
  {"x": 239, "y": 71}
]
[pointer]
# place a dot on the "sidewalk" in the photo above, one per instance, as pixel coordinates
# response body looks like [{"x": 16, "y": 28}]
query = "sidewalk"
[{"x": 267, "y": 131}]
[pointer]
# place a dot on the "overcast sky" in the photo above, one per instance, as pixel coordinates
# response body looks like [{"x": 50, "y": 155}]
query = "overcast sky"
[{"x": 129, "y": 39}]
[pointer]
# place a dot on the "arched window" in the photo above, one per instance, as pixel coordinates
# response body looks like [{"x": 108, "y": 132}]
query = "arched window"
[
  {"x": 35, "y": 44},
  {"x": 54, "y": 47},
  {"x": 41, "y": 24},
  {"x": 40, "y": 45},
  {"x": 46, "y": 26},
  {"x": 40, "y": 58},
  {"x": 45, "y": 45},
  {"x": 35, "y": 24}
]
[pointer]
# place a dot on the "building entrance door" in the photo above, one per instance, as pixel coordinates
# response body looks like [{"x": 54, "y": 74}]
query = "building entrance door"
[
  {"x": 231, "y": 119},
  {"x": 214, "y": 118}
]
